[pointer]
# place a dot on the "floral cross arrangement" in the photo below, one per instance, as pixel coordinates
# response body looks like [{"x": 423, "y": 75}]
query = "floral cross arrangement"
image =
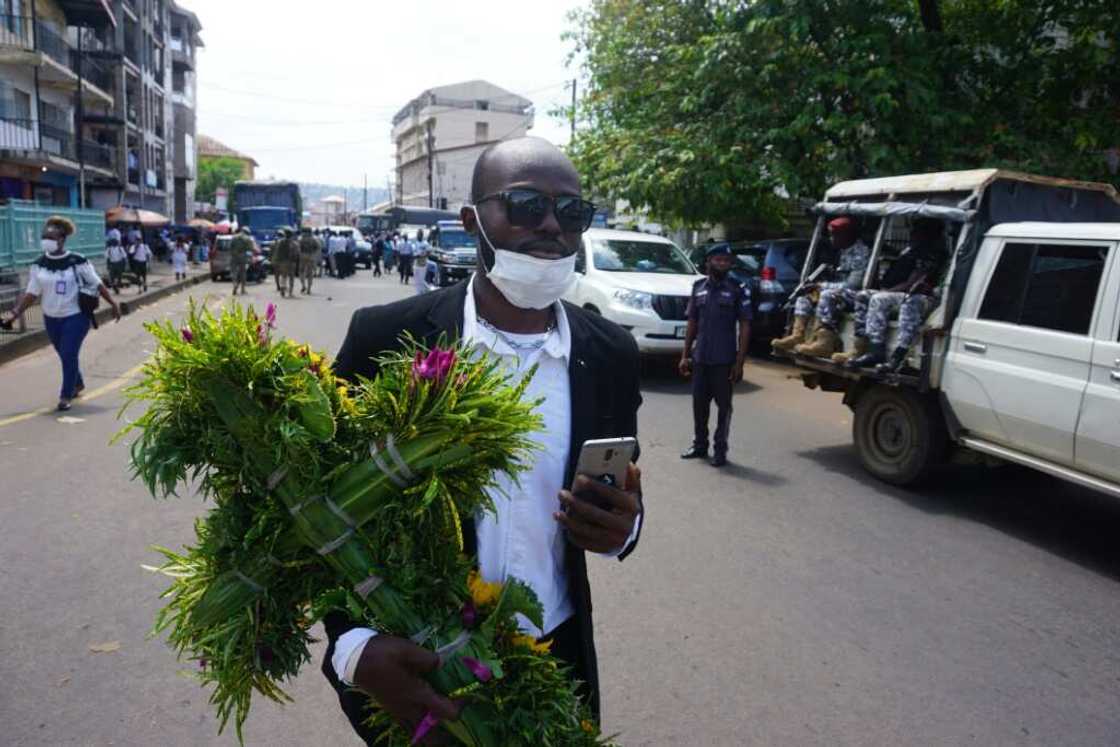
[{"x": 325, "y": 495}]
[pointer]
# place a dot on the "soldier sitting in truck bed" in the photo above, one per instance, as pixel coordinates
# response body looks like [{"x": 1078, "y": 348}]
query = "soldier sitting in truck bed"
[
  {"x": 837, "y": 293},
  {"x": 910, "y": 287}
]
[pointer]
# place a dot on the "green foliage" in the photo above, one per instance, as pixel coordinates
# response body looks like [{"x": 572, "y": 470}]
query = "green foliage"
[
  {"x": 214, "y": 173},
  {"x": 302, "y": 518},
  {"x": 702, "y": 110}
]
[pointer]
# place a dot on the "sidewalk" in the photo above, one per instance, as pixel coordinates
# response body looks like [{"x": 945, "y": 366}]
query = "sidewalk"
[{"x": 161, "y": 282}]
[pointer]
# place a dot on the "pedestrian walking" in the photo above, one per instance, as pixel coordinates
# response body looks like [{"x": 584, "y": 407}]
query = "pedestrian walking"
[
  {"x": 285, "y": 255},
  {"x": 419, "y": 281},
  {"x": 116, "y": 260},
  {"x": 713, "y": 352},
  {"x": 378, "y": 250},
  {"x": 240, "y": 253},
  {"x": 405, "y": 249},
  {"x": 58, "y": 280},
  {"x": 310, "y": 253},
  {"x": 139, "y": 255},
  {"x": 179, "y": 255},
  {"x": 587, "y": 381},
  {"x": 390, "y": 253}
]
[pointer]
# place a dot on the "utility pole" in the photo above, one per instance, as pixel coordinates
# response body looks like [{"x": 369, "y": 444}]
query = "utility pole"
[
  {"x": 431, "y": 145},
  {"x": 79, "y": 115},
  {"x": 573, "y": 112},
  {"x": 365, "y": 192}
]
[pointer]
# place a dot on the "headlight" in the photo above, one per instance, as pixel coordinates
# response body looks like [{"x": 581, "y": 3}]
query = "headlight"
[{"x": 634, "y": 299}]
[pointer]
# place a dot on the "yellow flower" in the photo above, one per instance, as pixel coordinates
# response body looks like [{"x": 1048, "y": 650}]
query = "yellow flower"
[
  {"x": 315, "y": 359},
  {"x": 531, "y": 643},
  {"x": 587, "y": 726},
  {"x": 482, "y": 592}
]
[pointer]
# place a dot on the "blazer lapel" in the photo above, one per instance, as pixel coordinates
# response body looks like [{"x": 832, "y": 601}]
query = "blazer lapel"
[
  {"x": 446, "y": 314},
  {"x": 581, "y": 384}
]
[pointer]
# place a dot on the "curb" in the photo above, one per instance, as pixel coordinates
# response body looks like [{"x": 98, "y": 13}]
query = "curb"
[{"x": 32, "y": 341}]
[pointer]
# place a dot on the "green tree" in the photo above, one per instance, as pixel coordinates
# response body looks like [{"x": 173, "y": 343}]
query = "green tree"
[
  {"x": 214, "y": 173},
  {"x": 709, "y": 109}
]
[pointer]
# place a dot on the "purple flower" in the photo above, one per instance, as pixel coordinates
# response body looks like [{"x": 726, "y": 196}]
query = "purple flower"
[
  {"x": 426, "y": 725},
  {"x": 188, "y": 336},
  {"x": 435, "y": 366},
  {"x": 469, "y": 615},
  {"x": 270, "y": 315},
  {"x": 478, "y": 669},
  {"x": 262, "y": 334}
]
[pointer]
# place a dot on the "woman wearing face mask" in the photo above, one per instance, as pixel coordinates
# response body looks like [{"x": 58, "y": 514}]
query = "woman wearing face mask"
[{"x": 55, "y": 280}]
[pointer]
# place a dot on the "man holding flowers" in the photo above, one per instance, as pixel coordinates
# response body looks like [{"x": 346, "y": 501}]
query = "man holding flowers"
[{"x": 529, "y": 217}]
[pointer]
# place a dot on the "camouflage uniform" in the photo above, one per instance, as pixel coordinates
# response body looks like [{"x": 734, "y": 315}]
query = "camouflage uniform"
[
  {"x": 284, "y": 252},
  {"x": 240, "y": 249},
  {"x": 912, "y": 311},
  {"x": 310, "y": 252},
  {"x": 838, "y": 295}
]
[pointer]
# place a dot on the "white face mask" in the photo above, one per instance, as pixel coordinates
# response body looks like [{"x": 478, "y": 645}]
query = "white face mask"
[
  {"x": 528, "y": 282},
  {"x": 50, "y": 246}
]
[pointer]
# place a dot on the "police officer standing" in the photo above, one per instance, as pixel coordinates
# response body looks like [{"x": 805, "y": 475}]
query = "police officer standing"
[
  {"x": 241, "y": 250},
  {"x": 310, "y": 256},
  {"x": 713, "y": 351}
]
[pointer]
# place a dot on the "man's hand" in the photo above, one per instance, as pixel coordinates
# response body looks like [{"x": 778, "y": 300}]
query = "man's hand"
[
  {"x": 601, "y": 529},
  {"x": 736, "y": 374},
  {"x": 390, "y": 671},
  {"x": 685, "y": 367},
  {"x": 116, "y": 310}
]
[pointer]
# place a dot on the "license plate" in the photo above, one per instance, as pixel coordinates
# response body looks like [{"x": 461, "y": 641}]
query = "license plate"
[{"x": 680, "y": 332}]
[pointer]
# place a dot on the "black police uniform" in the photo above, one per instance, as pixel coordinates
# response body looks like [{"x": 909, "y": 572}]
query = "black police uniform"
[{"x": 717, "y": 307}]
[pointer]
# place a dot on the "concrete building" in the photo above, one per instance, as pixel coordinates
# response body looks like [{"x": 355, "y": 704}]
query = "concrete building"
[
  {"x": 47, "y": 90},
  {"x": 439, "y": 135},
  {"x": 184, "y": 40},
  {"x": 112, "y": 144},
  {"x": 210, "y": 149}
]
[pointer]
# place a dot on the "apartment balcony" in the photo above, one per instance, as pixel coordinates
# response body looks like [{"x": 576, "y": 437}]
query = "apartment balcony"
[
  {"x": 99, "y": 155},
  {"x": 33, "y": 143},
  {"x": 26, "y": 42}
]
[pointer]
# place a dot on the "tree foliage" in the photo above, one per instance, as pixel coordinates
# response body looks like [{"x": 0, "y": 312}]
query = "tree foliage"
[
  {"x": 706, "y": 109},
  {"x": 214, "y": 173}
]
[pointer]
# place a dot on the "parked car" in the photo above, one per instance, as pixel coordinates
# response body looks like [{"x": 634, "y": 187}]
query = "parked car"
[
  {"x": 453, "y": 256},
  {"x": 219, "y": 262},
  {"x": 1019, "y": 361},
  {"x": 638, "y": 280}
]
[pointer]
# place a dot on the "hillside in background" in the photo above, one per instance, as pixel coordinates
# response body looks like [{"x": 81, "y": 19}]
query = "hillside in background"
[{"x": 312, "y": 193}]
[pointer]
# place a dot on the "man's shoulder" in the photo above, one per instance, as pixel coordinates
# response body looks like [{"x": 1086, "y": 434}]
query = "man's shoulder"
[{"x": 403, "y": 314}]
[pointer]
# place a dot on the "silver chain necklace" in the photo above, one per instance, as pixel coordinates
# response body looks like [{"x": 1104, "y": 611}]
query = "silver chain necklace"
[{"x": 517, "y": 346}]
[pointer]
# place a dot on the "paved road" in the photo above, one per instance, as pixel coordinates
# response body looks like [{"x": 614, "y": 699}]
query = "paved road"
[{"x": 785, "y": 600}]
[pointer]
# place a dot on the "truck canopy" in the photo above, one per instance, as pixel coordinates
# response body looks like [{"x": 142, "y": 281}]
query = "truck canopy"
[{"x": 978, "y": 198}]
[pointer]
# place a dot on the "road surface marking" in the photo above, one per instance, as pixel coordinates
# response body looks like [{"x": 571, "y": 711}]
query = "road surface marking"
[{"x": 113, "y": 385}]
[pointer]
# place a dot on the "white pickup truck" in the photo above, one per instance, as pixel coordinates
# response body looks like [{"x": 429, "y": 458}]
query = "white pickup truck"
[{"x": 1020, "y": 359}]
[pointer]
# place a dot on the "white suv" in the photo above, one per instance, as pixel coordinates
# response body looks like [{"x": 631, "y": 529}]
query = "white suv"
[{"x": 639, "y": 281}]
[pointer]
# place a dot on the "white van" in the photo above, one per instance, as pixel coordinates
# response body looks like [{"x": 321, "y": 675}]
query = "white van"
[{"x": 639, "y": 281}]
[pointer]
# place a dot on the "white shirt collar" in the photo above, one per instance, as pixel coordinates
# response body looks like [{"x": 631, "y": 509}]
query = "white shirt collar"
[{"x": 558, "y": 344}]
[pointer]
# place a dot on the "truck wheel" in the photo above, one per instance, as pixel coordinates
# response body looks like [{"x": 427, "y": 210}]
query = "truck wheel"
[{"x": 899, "y": 434}]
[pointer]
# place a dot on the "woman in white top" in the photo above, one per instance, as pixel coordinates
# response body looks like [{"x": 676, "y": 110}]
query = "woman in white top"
[
  {"x": 55, "y": 280},
  {"x": 116, "y": 259},
  {"x": 179, "y": 258},
  {"x": 139, "y": 256}
]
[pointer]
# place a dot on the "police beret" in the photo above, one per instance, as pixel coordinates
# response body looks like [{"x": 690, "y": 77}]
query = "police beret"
[
  {"x": 717, "y": 249},
  {"x": 843, "y": 223}
]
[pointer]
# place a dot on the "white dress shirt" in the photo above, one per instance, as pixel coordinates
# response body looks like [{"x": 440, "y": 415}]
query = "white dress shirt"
[
  {"x": 521, "y": 538},
  {"x": 56, "y": 282}
]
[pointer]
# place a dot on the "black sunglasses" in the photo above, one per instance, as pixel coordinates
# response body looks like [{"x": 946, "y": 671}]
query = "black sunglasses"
[{"x": 527, "y": 208}]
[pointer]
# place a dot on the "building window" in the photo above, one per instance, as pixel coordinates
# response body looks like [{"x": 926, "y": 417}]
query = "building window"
[
  {"x": 481, "y": 132},
  {"x": 1049, "y": 286},
  {"x": 178, "y": 80},
  {"x": 482, "y": 104},
  {"x": 14, "y": 103}
]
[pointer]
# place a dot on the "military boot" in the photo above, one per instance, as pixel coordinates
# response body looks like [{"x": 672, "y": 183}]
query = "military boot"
[
  {"x": 794, "y": 338},
  {"x": 859, "y": 347},
  {"x": 824, "y": 343},
  {"x": 876, "y": 354},
  {"x": 898, "y": 357}
]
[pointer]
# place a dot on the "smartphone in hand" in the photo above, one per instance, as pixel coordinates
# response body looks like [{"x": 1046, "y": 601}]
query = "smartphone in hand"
[{"x": 606, "y": 460}]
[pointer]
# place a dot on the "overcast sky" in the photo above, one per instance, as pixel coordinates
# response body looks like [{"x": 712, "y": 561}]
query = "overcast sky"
[{"x": 309, "y": 89}]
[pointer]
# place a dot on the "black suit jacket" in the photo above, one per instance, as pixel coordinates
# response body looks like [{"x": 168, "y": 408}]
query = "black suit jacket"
[{"x": 603, "y": 375}]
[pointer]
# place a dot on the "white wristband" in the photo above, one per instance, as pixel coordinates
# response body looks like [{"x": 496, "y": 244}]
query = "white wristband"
[{"x": 348, "y": 651}]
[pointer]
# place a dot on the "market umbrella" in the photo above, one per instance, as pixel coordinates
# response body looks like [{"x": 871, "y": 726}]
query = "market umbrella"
[
  {"x": 205, "y": 225},
  {"x": 223, "y": 227},
  {"x": 146, "y": 218}
]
